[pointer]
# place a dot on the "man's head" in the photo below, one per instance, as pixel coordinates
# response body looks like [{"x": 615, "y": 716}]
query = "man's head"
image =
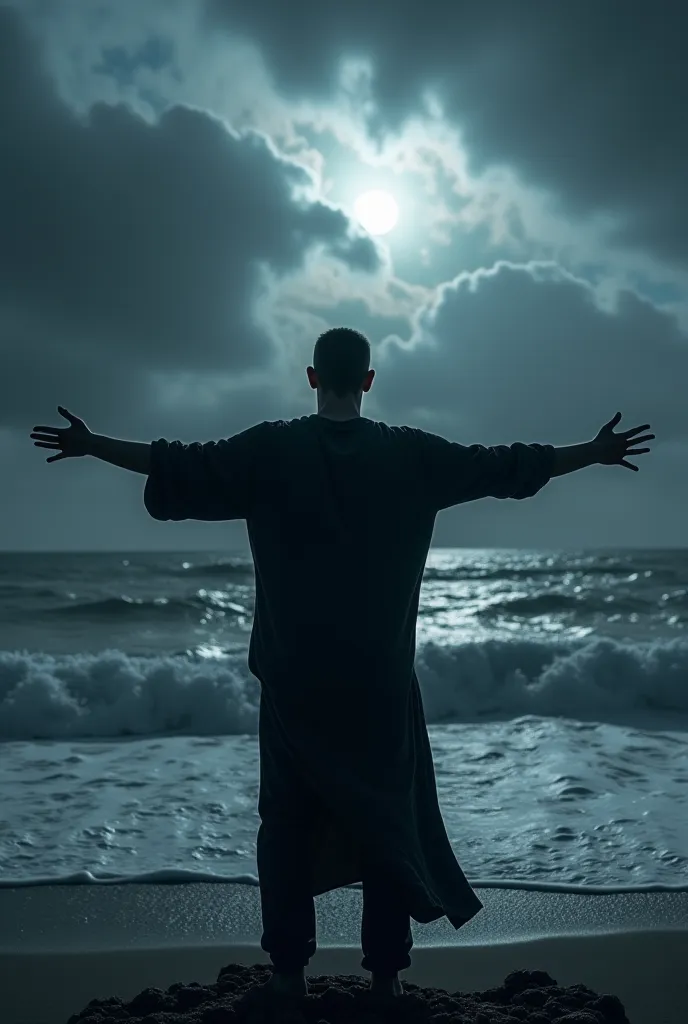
[{"x": 341, "y": 363}]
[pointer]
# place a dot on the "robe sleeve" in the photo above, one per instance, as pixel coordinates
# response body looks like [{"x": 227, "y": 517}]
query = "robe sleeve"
[
  {"x": 457, "y": 473},
  {"x": 210, "y": 481}
]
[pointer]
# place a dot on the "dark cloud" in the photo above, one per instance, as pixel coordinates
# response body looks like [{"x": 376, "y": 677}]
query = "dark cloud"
[
  {"x": 528, "y": 353},
  {"x": 124, "y": 240},
  {"x": 587, "y": 99}
]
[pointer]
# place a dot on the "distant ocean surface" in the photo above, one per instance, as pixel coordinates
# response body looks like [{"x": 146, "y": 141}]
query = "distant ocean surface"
[{"x": 555, "y": 686}]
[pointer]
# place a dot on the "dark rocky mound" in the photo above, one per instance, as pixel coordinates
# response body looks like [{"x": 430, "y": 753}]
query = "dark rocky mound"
[{"x": 238, "y": 998}]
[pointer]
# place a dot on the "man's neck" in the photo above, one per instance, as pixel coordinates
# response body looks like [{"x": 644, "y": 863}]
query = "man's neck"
[
  {"x": 339, "y": 418},
  {"x": 332, "y": 408}
]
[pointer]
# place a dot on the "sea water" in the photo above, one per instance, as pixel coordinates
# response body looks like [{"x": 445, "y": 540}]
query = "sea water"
[{"x": 555, "y": 687}]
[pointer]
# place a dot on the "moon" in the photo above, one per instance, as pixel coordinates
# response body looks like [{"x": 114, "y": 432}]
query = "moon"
[{"x": 376, "y": 211}]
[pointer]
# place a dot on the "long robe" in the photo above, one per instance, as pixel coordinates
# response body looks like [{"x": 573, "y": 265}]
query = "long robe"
[{"x": 340, "y": 518}]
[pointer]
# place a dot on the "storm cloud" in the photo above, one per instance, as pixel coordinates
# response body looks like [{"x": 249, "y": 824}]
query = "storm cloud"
[
  {"x": 176, "y": 197},
  {"x": 533, "y": 351},
  {"x": 124, "y": 240}
]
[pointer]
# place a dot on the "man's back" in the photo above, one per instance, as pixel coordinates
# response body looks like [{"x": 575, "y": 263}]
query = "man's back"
[
  {"x": 340, "y": 530},
  {"x": 340, "y": 517}
]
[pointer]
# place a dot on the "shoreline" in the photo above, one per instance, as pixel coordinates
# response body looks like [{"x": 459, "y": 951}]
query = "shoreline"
[{"x": 61, "y": 946}]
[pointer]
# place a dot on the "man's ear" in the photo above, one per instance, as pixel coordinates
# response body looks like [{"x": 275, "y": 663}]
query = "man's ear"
[
  {"x": 368, "y": 381},
  {"x": 312, "y": 377}
]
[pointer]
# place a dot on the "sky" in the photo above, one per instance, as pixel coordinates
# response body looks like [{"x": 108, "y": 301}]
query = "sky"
[{"x": 178, "y": 224}]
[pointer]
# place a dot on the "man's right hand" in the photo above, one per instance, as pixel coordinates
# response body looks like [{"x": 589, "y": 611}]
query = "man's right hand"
[
  {"x": 611, "y": 449},
  {"x": 72, "y": 441}
]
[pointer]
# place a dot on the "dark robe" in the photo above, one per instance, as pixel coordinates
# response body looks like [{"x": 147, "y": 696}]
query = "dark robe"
[{"x": 340, "y": 518}]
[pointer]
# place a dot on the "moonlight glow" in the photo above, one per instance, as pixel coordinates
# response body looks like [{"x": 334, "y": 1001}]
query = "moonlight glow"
[{"x": 377, "y": 211}]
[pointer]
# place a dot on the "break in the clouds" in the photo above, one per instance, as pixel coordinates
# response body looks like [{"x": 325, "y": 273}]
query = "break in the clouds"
[
  {"x": 146, "y": 243},
  {"x": 585, "y": 99}
]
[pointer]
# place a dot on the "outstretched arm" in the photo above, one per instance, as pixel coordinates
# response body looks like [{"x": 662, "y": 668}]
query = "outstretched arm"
[
  {"x": 606, "y": 449},
  {"x": 215, "y": 481},
  {"x": 455, "y": 473},
  {"x": 133, "y": 455},
  {"x": 77, "y": 440}
]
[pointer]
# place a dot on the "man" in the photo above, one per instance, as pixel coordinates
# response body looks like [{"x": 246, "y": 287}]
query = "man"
[{"x": 340, "y": 512}]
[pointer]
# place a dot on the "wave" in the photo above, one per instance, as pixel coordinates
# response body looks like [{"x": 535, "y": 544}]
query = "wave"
[
  {"x": 549, "y": 602},
  {"x": 226, "y": 570},
  {"x": 553, "y": 603},
  {"x": 519, "y": 573},
  {"x": 133, "y": 607},
  {"x": 112, "y": 694},
  {"x": 187, "y": 876},
  {"x": 22, "y": 590}
]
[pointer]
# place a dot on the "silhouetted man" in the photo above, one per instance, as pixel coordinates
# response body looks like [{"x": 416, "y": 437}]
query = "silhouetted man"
[{"x": 340, "y": 512}]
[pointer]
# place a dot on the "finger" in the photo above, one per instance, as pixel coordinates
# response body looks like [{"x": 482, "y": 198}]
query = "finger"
[
  {"x": 44, "y": 436},
  {"x": 635, "y": 430},
  {"x": 637, "y": 451},
  {"x": 628, "y": 465},
  {"x": 56, "y": 458},
  {"x": 48, "y": 430},
  {"x": 67, "y": 414},
  {"x": 45, "y": 444},
  {"x": 639, "y": 440},
  {"x": 614, "y": 420}
]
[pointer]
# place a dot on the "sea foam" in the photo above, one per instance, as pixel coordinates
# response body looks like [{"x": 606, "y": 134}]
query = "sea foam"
[{"x": 113, "y": 694}]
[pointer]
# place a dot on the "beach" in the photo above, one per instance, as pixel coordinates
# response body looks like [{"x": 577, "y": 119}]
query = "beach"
[{"x": 189, "y": 953}]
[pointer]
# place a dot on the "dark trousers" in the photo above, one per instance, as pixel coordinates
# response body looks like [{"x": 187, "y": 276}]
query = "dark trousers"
[{"x": 288, "y": 908}]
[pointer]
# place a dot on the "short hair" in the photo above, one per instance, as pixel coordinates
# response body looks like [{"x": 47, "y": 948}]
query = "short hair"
[{"x": 341, "y": 360}]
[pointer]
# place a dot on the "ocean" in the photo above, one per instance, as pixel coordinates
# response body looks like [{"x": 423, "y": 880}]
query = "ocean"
[{"x": 555, "y": 687}]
